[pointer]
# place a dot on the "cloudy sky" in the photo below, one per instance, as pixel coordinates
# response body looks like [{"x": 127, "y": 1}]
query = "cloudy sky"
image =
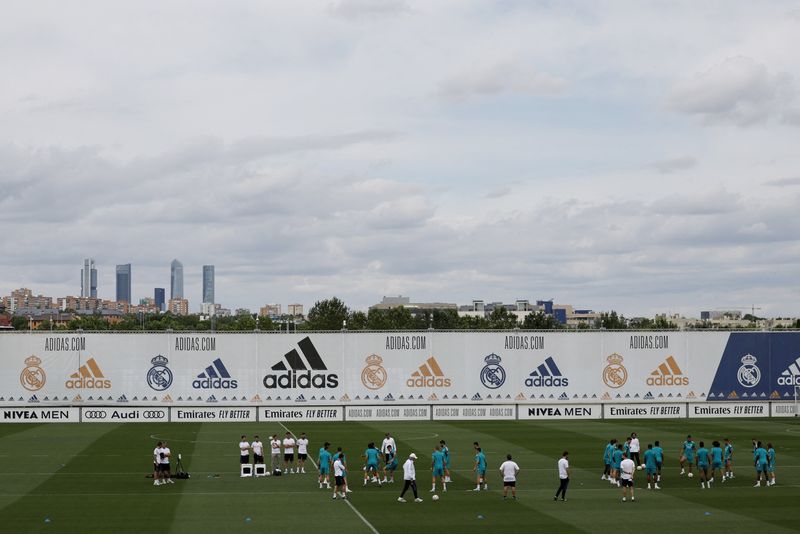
[{"x": 637, "y": 156}]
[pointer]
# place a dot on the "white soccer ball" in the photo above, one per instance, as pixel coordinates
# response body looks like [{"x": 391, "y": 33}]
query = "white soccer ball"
[
  {"x": 435, "y": 497},
  {"x": 691, "y": 475},
  {"x": 639, "y": 467},
  {"x": 643, "y": 466}
]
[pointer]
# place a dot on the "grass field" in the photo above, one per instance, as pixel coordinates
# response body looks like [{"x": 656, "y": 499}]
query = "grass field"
[{"x": 91, "y": 478}]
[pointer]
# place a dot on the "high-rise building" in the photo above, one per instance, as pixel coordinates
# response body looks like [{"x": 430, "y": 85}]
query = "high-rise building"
[
  {"x": 124, "y": 283},
  {"x": 89, "y": 279},
  {"x": 158, "y": 297},
  {"x": 178, "y": 306},
  {"x": 176, "y": 280},
  {"x": 208, "y": 284}
]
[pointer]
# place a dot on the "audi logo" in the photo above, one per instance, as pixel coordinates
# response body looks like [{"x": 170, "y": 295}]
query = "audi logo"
[
  {"x": 94, "y": 414},
  {"x": 146, "y": 414},
  {"x": 154, "y": 414}
]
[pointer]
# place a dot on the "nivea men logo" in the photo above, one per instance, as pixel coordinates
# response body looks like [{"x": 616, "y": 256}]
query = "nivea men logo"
[
  {"x": 298, "y": 375},
  {"x": 215, "y": 376},
  {"x": 547, "y": 375}
]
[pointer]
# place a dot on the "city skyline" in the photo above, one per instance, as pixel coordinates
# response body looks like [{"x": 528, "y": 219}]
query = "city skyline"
[{"x": 543, "y": 149}]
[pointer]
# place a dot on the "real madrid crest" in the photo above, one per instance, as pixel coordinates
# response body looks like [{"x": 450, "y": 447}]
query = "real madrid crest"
[
  {"x": 614, "y": 374},
  {"x": 374, "y": 376},
  {"x": 159, "y": 377},
  {"x": 32, "y": 377},
  {"x": 749, "y": 375},
  {"x": 493, "y": 375}
]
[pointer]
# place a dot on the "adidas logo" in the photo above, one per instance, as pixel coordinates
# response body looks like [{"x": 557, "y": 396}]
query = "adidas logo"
[
  {"x": 429, "y": 375},
  {"x": 388, "y": 397},
  {"x": 34, "y": 398},
  {"x": 212, "y": 398},
  {"x": 122, "y": 398},
  {"x": 791, "y": 376},
  {"x": 300, "y": 398},
  {"x": 547, "y": 375},
  {"x": 298, "y": 375},
  {"x": 215, "y": 376},
  {"x": 649, "y": 396},
  {"x": 668, "y": 374},
  {"x": 477, "y": 397},
  {"x": 167, "y": 398},
  {"x": 88, "y": 375}
]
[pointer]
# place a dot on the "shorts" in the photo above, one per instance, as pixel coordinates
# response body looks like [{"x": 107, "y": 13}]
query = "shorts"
[
  {"x": 302, "y": 456},
  {"x": 770, "y": 469},
  {"x": 658, "y": 465},
  {"x": 761, "y": 468},
  {"x": 324, "y": 470},
  {"x": 288, "y": 457},
  {"x": 607, "y": 464},
  {"x": 626, "y": 483},
  {"x": 702, "y": 467},
  {"x": 339, "y": 481},
  {"x": 689, "y": 459},
  {"x": 372, "y": 467},
  {"x": 438, "y": 471},
  {"x": 392, "y": 466},
  {"x": 510, "y": 483},
  {"x": 387, "y": 458},
  {"x": 481, "y": 472},
  {"x": 155, "y": 466},
  {"x": 244, "y": 459},
  {"x": 651, "y": 470},
  {"x": 164, "y": 468},
  {"x": 716, "y": 465},
  {"x": 615, "y": 467},
  {"x": 258, "y": 459}
]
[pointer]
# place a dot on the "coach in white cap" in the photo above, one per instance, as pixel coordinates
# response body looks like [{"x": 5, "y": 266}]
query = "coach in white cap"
[{"x": 410, "y": 478}]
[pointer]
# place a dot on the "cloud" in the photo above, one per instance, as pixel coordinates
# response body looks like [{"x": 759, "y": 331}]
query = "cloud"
[
  {"x": 739, "y": 90},
  {"x": 505, "y": 77},
  {"x": 783, "y": 182},
  {"x": 667, "y": 166},
  {"x": 356, "y": 9},
  {"x": 498, "y": 192}
]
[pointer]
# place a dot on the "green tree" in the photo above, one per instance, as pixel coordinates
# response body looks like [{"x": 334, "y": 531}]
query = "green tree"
[
  {"x": 467, "y": 322},
  {"x": 502, "y": 319},
  {"x": 357, "y": 321},
  {"x": 612, "y": 321},
  {"x": 20, "y": 322},
  {"x": 662, "y": 323},
  {"x": 540, "y": 321},
  {"x": 328, "y": 314}
]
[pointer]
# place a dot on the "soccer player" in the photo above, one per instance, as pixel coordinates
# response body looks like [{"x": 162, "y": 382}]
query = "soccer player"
[
  {"x": 437, "y": 467},
  {"x": 340, "y": 454},
  {"x": 761, "y": 463},
  {"x": 728, "y": 460},
  {"x": 626, "y": 447},
  {"x": 385, "y": 444},
  {"x": 687, "y": 456},
  {"x": 628, "y": 469},
  {"x": 446, "y": 453},
  {"x": 702, "y": 465},
  {"x": 635, "y": 448},
  {"x": 480, "y": 470},
  {"x": 288, "y": 453},
  {"x": 770, "y": 465},
  {"x": 156, "y": 464},
  {"x": 716, "y": 461},
  {"x": 165, "y": 454},
  {"x": 409, "y": 478},
  {"x": 371, "y": 467},
  {"x": 509, "y": 470},
  {"x": 275, "y": 453},
  {"x": 244, "y": 451},
  {"x": 338, "y": 474},
  {"x": 389, "y": 465},
  {"x": 659, "y": 453},
  {"x": 258, "y": 450},
  {"x": 616, "y": 462},
  {"x": 651, "y": 466},
  {"x": 302, "y": 452},
  {"x": 563, "y": 476},
  {"x": 324, "y": 462},
  {"x": 607, "y": 454}
]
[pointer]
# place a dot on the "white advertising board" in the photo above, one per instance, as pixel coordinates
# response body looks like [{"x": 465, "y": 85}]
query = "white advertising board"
[
  {"x": 472, "y": 412},
  {"x": 301, "y": 413},
  {"x": 560, "y": 411},
  {"x": 25, "y": 414},
  {"x": 103, "y": 414},
  {"x": 388, "y": 413},
  {"x": 785, "y": 409},
  {"x": 645, "y": 411},
  {"x": 203, "y": 414},
  {"x": 729, "y": 409}
]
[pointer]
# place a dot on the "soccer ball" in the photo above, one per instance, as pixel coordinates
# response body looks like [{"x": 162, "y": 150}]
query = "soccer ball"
[
  {"x": 639, "y": 467},
  {"x": 691, "y": 475},
  {"x": 435, "y": 497},
  {"x": 643, "y": 466}
]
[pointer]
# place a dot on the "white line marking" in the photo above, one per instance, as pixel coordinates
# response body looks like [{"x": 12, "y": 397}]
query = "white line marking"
[{"x": 347, "y": 501}]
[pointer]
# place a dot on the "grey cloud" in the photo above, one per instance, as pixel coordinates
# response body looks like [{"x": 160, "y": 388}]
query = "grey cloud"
[
  {"x": 738, "y": 90},
  {"x": 516, "y": 77},
  {"x": 356, "y": 9},
  {"x": 667, "y": 166},
  {"x": 498, "y": 192},
  {"x": 782, "y": 182}
]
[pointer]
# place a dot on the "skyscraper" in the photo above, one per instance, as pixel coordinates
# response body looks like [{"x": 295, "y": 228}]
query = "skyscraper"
[
  {"x": 158, "y": 297},
  {"x": 208, "y": 284},
  {"x": 176, "y": 280},
  {"x": 89, "y": 279},
  {"x": 124, "y": 283}
]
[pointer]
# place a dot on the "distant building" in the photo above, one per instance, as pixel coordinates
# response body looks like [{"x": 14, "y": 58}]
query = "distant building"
[
  {"x": 159, "y": 298},
  {"x": 176, "y": 280},
  {"x": 124, "y": 283},
  {"x": 295, "y": 310},
  {"x": 24, "y": 298},
  {"x": 89, "y": 279},
  {"x": 178, "y": 306},
  {"x": 416, "y": 308},
  {"x": 208, "y": 284},
  {"x": 270, "y": 310}
]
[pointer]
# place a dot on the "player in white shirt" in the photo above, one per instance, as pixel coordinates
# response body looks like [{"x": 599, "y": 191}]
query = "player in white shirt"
[
  {"x": 338, "y": 475},
  {"x": 388, "y": 445},
  {"x": 275, "y": 453},
  {"x": 627, "y": 469},
  {"x": 164, "y": 455},
  {"x": 258, "y": 450},
  {"x": 156, "y": 464},
  {"x": 409, "y": 478},
  {"x": 563, "y": 476},
  {"x": 288, "y": 453},
  {"x": 302, "y": 453},
  {"x": 244, "y": 451},
  {"x": 509, "y": 470},
  {"x": 635, "y": 448}
]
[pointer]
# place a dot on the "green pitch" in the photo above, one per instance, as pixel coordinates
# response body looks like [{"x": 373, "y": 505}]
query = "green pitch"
[{"x": 91, "y": 478}]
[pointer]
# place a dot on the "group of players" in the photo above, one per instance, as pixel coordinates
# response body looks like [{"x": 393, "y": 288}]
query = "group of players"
[
  {"x": 289, "y": 444},
  {"x": 161, "y": 469},
  {"x": 622, "y": 459}
]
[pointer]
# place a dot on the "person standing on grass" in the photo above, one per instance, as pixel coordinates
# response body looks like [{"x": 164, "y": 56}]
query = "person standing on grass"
[
  {"x": 687, "y": 455},
  {"x": 165, "y": 454},
  {"x": 390, "y": 465},
  {"x": 324, "y": 466},
  {"x": 563, "y": 476},
  {"x": 635, "y": 448},
  {"x": 716, "y": 461},
  {"x": 446, "y": 453},
  {"x": 258, "y": 450},
  {"x": 616, "y": 461},
  {"x": 409, "y": 478},
  {"x": 659, "y": 455},
  {"x": 156, "y": 462},
  {"x": 770, "y": 465},
  {"x": 288, "y": 453},
  {"x": 509, "y": 469},
  {"x": 338, "y": 475},
  {"x": 302, "y": 452},
  {"x": 275, "y": 453},
  {"x": 244, "y": 451},
  {"x": 627, "y": 468},
  {"x": 702, "y": 466},
  {"x": 761, "y": 462},
  {"x": 388, "y": 442},
  {"x": 480, "y": 470},
  {"x": 340, "y": 454},
  {"x": 607, "y": 454},
  {"x": 437, "y": 468},
  {"x": 728, "y": 460},
  {"x": 650, "y": 466},
  {"x": 371, "y": 456}
]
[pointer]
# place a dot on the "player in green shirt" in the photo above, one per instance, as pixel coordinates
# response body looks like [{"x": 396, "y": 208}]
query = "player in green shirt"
[
  {"x": 761, "y": 463},
  {"x": 390, "y": 466},
  {"x": 687, "y": 455},
  {"x": 324, "y": 461},
  {"x": 716, "y": 461},
  {"x": 480, "y": 470},
  {"x": 437, "y": 466},
  {"x": 702, "y": 465},
  {"x": 728, "y": 457},
  {"x": 650, "y": 465},
  {"x": 607, "y": 454},
  {"x": 770, "y": 465},
  {"x": 659, "y": 452},
  {"x": 371, "y": 467}
]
